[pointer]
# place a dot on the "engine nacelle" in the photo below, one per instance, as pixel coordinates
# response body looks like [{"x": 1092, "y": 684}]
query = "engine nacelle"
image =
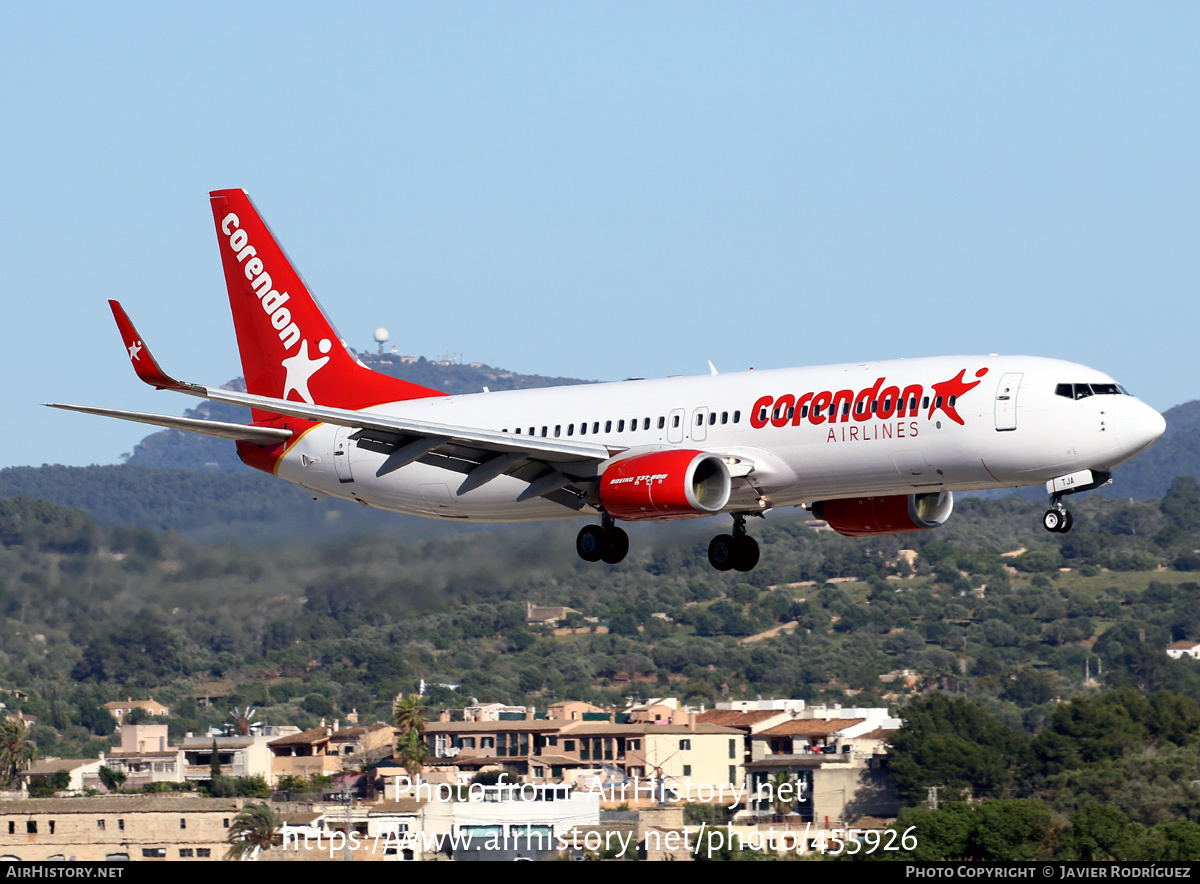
[
  {"x": 863, "y": 516},
  {"x": 665, "y": 485}
]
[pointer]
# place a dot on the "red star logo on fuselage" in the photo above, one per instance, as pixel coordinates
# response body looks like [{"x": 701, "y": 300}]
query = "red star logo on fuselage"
[{"x": 952, "y": 389}]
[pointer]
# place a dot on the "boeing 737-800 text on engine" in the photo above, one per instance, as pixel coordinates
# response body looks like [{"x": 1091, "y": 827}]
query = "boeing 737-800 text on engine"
[{"x": 871, "y": 448}]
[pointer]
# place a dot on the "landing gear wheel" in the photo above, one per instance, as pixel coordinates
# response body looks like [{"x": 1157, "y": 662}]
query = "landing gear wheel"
[
  {"x": 1053, "y": 520},
  {"x": 1067, "y": 522},
  {"x": 592, "y": 543},
  {"x": 745, "y": 554},
  {"x": 617, "y": 546},
  {"x": 721, "y": 552}
]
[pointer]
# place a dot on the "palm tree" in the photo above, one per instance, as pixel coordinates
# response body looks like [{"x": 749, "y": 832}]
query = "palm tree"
[
  {"x": 253, "y": 831},
  {"x": 784, "y": 794},
  {"x": 17, "y": 751},
  {"x": 412, "y": 750},
  {"x": 409, "y": 714}
]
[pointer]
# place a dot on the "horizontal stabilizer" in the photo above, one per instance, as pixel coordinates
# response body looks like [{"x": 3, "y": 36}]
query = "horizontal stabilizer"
[{"x": 220, "y": 429}]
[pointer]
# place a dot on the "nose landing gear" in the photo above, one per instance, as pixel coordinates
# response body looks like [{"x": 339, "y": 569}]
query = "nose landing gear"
[
  {"x": 1057, "y": 519},
  {"x": 736, "y": 551},
  {"x": 604, "y": 542}
]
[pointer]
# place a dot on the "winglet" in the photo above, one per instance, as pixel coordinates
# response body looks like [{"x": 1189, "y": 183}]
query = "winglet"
[{"x": 143, "y": 360}]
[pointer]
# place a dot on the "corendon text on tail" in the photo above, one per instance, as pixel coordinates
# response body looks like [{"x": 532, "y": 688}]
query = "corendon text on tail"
[{"x": 872, "y": 448}]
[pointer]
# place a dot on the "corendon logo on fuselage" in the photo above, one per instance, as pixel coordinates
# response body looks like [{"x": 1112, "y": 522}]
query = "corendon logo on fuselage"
[
  {"x": 891, "y": 407},
  {"x": 300, "y": 368}
]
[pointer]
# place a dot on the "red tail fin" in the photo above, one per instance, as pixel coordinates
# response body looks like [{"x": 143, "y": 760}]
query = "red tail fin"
[{"x": 289, "y": 348}]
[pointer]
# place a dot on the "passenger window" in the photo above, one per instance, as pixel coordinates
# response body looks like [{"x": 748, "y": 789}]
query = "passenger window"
[
  {"x": 925, "y": 404},
  {"x": 774, "y": 416},
  {"x": 874, "y": 406},
  {"x": 700, "y": 418},
  {"x": 737, "y": 416},
  {"x": 845, "y": 409},
  {"x": 544, "y": 434},
  {"x": 762, "y": 415},
  {"x": 620, "y": 426},
  {"x": 858, "y": 407},
  {"x": 608, "y": 426},
  {"x": 531, "y": 431},
  {"x": 662, "y": 422},
  {"x": 570, "y": 429},
  {"x": 952, "y": 400},
  {"x": 712, "y": 418},
  {"x": 595, "y": 427},
  {"x": 791, "y": 410},
  {"x": 675, "y": 421},
  {"x": 645, "y": 423},
  {"x": 804, "y": 411},
  {"x": 582, "y": 429},
  {"x": 724, "y": 417}
]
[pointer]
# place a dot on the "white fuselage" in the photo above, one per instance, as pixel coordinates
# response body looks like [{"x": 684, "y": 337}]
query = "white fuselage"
[{"x": 1015, "y": 430}]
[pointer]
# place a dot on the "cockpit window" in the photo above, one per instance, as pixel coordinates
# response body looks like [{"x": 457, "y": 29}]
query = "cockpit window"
[{"x": 1082, "y": 391}]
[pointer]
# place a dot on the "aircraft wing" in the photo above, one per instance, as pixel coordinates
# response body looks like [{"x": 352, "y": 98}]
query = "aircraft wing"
[{"x": 548, "y": 465}]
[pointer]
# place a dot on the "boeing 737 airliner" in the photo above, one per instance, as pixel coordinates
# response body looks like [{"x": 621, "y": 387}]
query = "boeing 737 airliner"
[{"x": 871, "y": 448}]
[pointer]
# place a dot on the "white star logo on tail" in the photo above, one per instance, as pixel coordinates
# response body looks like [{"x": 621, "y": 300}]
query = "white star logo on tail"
[
  {"x": 134, "y": 349},
  {"x": 299, "y": 369}
]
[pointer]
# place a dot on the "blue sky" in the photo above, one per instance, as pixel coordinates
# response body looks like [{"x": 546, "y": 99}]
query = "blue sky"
[{"x": 600, "y": 191}]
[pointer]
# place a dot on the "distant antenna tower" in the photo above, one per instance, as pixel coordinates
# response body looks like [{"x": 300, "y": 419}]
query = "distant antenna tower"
[{"x": 381, "y": 336}]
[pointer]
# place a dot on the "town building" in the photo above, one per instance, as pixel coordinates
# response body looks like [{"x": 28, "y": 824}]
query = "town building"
[
  {"x": 111, "y": 828},
  {"x": 1184, "y": 649},
  {"x": 554, "y": 750},
  {"x": 119, "y": 710}
]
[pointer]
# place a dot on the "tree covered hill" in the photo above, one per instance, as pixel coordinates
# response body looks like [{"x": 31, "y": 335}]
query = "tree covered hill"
[
  {"x": 1063, "y": 712},
  {"x": 1177, "y": 453},
  {"x": 309, "y": 628}
]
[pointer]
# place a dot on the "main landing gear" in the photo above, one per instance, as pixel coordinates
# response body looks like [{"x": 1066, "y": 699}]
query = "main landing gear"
[
  {"x": 737, "y": 551},
  {"x": 604, "y": 542}
]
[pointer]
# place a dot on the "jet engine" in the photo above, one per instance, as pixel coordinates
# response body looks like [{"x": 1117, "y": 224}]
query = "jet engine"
[
  {"x": 863, "y": 516},
  {"x": 665, "y": 485}
]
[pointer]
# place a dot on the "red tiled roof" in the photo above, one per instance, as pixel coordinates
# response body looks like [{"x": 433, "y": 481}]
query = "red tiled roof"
[
  {"x": 734, "y": 718},
  {"x": 810, "y": 727}
]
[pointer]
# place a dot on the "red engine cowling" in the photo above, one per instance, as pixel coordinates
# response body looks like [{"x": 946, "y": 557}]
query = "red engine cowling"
[
  {"x": 665, "y": 485},
  {"x": 863, "y": 516}
]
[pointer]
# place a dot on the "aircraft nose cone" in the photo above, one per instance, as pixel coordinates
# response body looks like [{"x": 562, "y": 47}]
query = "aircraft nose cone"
[{"x": 1139, "y": 430}]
